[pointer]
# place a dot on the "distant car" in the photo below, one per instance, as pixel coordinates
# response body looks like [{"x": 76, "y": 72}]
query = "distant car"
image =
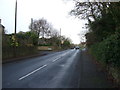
[{"x": 77, "y": 47}]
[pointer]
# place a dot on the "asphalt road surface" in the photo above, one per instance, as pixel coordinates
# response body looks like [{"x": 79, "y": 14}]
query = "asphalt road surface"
[{"x": 62, "y": 69}]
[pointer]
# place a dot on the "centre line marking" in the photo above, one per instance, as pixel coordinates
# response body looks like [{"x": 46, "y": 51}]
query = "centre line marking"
[
  {"x": 32, "y": 72},
  {"x": 56, "y": 59}
]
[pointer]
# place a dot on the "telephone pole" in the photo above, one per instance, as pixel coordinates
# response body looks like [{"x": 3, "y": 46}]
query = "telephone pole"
[
  {"x": 31, "y": 24},
  {"x": 60, "y": 39},
  {"x": 15, "y": 16},
  {"x": 15, "y": 28}
]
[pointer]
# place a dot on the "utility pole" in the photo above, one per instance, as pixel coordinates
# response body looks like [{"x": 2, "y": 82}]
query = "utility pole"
[
  {"x": 15, "y": 28},
  {"x": 60, "y": 39},
  {"x": 15, "y": 17},
  {"x": 31, "y": 24}
]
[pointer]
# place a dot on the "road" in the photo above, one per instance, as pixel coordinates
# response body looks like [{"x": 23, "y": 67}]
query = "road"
[
  {"x": 52, "y": 71},
  {"x": 57, "y": 70}
]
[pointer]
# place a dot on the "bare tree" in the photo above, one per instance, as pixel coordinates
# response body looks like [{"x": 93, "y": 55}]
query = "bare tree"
[
  {"x": 41, "y": 27},
  {"x": 89, "y": 10}
]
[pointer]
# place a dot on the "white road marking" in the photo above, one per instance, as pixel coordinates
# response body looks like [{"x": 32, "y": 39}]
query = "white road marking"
[
  {"x": 61, "y": 56},
  {"x": 41, "y": 67},
  {"x": 53, "y": 60},
  {"x": 32, "y": 72},
  {"x": 65, "y": 54},
  {"x": 56, "y": 59}
]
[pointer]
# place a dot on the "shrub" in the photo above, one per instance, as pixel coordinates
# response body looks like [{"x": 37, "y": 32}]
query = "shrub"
[{"x": 108, "y": 51}]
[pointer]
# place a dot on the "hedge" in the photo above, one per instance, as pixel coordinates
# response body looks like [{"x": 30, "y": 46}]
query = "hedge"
[{"x": 108, "y": 51}]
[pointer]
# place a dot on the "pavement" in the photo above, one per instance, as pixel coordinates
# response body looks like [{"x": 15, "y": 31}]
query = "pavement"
[
  {"x": 65, "y": 69},
  {"x": 92, "y": 75}
]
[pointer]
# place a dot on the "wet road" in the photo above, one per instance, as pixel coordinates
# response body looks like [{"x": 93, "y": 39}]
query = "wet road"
[
  {"x": 64, "y": 69},
  {"x": 56, "y": 70}
]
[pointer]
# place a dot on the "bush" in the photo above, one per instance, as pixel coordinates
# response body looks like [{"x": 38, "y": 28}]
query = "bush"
[{"x": 108, "y": 51}]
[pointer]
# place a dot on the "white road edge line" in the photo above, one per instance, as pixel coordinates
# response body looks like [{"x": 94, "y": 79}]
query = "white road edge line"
[{"x": 32, "y": 72}]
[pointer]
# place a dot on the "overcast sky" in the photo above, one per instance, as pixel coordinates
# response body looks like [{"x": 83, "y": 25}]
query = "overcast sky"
[{"x": 55, "y": 11}]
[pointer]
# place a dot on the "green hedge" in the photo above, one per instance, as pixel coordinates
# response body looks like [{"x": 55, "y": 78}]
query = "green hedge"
[{"x": 108, "y": 51}]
